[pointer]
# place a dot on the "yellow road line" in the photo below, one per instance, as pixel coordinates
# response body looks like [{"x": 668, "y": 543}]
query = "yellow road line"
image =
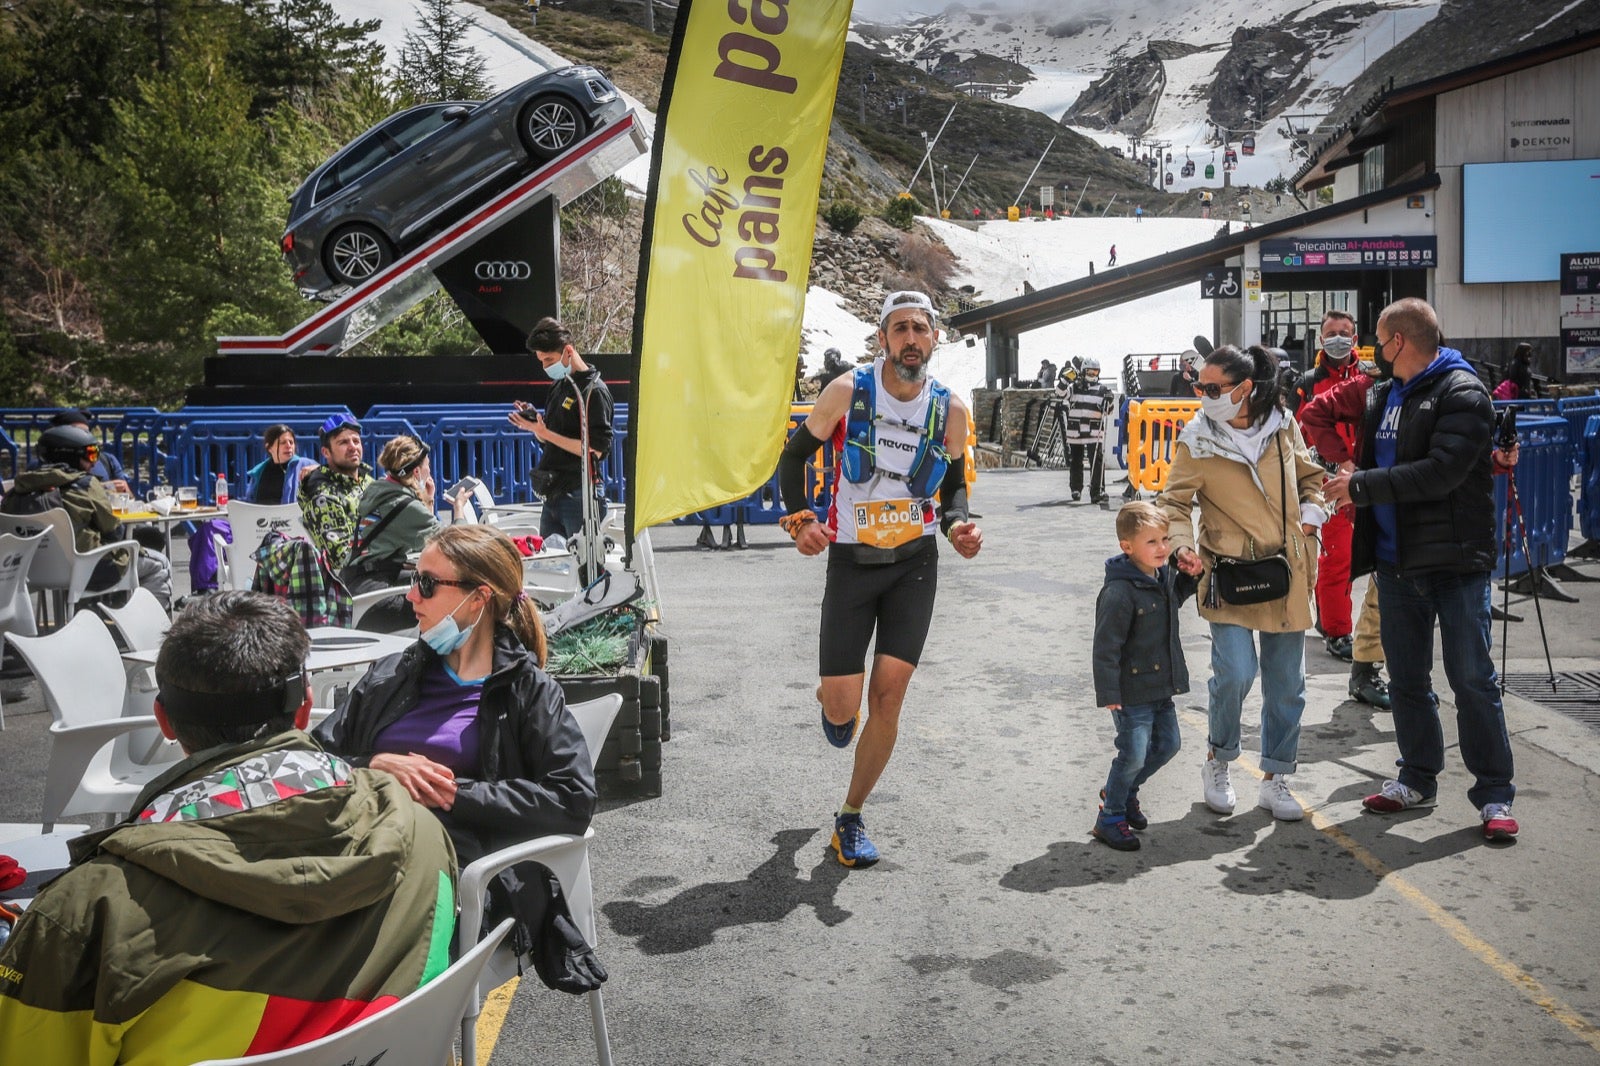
[
  {"x": 492, "y": 1018},
  {"x": 1522, "y": 980}
]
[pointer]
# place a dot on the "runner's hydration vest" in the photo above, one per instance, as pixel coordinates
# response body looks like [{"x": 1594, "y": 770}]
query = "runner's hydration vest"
[{"x": 859, "y": 464}]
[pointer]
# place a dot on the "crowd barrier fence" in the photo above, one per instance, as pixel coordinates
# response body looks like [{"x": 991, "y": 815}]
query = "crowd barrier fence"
[
  {"x": 1577, "y": 410},
  {"x": 1544, "y": 490},
  {"x": 1153, "y": 428}
]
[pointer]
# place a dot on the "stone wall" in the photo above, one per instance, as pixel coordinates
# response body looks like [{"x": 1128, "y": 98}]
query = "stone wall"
[{"x": 1018, "y": 410}]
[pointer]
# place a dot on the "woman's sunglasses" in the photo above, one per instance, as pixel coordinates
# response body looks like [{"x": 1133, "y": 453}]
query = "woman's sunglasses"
[
  {"x": 1212, "y": 392},
  {"x": 426, "y": 584}
]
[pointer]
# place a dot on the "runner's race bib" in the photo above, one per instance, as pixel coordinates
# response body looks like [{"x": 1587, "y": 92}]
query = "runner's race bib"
[{"x": 888, "y": 523}]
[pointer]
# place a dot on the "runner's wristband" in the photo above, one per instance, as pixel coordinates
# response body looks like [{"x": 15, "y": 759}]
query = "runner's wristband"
[{"x": 792, "y": 524}]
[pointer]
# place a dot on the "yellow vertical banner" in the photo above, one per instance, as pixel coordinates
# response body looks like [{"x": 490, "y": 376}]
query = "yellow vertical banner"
[{"x": 740, "y": 139}]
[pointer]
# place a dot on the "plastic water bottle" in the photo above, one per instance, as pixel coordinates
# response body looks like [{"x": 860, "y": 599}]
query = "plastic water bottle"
[{"x": 222, "y": 490}]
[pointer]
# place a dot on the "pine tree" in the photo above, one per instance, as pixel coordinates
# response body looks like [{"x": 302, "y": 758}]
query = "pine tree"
[{"x": 436, "y": 62}]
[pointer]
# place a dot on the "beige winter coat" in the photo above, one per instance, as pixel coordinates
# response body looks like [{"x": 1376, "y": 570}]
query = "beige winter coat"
[{"x": 1243, "y": 516}]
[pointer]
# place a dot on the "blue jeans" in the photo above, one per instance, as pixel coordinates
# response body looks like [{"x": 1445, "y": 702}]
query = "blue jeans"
[
  {"x": 1147, "y": 739},
  {"x": 1408, "y": 605},
  {"x": 564, "y": 514},
  {"x": 1283, "y": 692}
]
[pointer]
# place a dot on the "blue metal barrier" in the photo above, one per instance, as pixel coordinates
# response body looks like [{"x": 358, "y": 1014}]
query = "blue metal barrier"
[
  {"x": 152, "y": 449},
  {"x": 1589, "y": 480},
  {"x": 1577, "y": 411},
  {"x": 1544, "y": 489},
  {"x": 22, "y": 426},
  {"x": 1121, "y": 449}
]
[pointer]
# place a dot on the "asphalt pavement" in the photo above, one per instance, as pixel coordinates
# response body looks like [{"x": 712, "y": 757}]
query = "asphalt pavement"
[{"x": 995, "y": 929}]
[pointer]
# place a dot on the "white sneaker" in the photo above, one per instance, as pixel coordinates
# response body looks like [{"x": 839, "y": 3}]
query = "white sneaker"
[
  {"x": 1276, "y": 797},
  {"x": 1218, "y": 787}
]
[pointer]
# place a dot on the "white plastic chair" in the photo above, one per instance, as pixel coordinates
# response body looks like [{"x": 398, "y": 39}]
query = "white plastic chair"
[
  {"x": 567, "y": 857},
  {"x": 59, "y": 567},
  {"x": 415, "y": 1031},
  {"x": 362, "y": 602},
  {"x": 16, "y": 609},
  {"x": 81, "y": 677},
  {"x": 251, "y": 523},
  {"x": 143, "y": 625}
]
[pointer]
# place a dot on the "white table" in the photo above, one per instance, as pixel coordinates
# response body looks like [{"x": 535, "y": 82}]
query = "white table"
[
  {"x": 332, "y": 648},
  {"x": 141, "y": 515},
  {"x": 43, "y": 855}
]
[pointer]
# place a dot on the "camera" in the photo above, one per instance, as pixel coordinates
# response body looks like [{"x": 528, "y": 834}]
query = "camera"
[{"x": 1505, "y": 429}]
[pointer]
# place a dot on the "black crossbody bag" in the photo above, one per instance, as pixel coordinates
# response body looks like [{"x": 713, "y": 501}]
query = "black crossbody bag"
[{"x": 1242, "y": 582}]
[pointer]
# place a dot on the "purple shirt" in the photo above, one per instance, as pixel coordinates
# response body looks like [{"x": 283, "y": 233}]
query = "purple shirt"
[{"x": 443, "y": 726}]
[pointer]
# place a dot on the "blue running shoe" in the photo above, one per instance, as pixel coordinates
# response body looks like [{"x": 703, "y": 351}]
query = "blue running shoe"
[
  {"x": 1134, "y": 812},
  {"x": 840, "y": 735},
  {"x": 1115, "y": 834},
  {"x": 850, "y": 841}
]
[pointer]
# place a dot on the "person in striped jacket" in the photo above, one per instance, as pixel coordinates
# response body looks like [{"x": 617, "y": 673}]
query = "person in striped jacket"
[{"x": 1087, "y": 404}]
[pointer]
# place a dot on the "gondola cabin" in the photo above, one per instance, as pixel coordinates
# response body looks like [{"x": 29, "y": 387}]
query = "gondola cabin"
[{"x": 1248, "y": 144}]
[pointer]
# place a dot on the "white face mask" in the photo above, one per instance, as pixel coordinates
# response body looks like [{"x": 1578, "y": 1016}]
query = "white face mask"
[
  {"x": 1222, "y": 409},
  {"x": 1338, "y": 348}
]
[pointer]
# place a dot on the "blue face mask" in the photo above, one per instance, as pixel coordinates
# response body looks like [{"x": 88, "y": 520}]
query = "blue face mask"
[
  {"x": 557, "y": 371},
  {"x": 445, "y": 637}
]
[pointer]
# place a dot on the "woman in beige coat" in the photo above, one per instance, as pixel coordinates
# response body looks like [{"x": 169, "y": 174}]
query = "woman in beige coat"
[{"x": 1259, "y": 493}]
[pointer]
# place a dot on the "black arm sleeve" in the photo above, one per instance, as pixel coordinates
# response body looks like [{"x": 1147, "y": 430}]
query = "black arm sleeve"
[
  {"x": 792, "y": 469},
  {"x": 953, "y": 494}
]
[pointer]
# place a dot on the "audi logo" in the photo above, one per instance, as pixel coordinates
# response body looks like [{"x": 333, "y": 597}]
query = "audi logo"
[{"x": 502, "y": 270}]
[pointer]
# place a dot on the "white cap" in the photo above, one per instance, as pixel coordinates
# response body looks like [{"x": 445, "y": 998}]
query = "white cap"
[{"x": 896, "y": 301}]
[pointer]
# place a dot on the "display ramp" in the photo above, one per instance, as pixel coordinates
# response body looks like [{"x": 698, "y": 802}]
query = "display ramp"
[{"x": 411, "y": 278}]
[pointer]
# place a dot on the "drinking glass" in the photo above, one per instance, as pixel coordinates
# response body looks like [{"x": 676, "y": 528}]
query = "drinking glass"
[{"x": 188, "y": 498}]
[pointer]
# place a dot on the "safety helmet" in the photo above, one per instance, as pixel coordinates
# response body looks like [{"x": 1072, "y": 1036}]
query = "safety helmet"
[
  {"x": 1091, "y": 365},
  {"x": 68, "y": 444},
  {"x": 333, "y": 425}
]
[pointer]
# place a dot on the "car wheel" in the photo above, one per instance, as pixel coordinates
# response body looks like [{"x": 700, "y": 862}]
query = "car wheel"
[
  {"x": 550, "y": 125},
  {"x": 357, "y": 252}
]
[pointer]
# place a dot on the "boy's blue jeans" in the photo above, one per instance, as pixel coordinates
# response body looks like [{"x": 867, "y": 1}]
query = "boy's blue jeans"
[{"x": 1147, "y": 739}]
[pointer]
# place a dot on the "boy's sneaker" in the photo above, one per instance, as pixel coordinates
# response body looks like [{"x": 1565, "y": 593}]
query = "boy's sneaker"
[
  {"x": 1276, "y": 797},
  {"x": 1133, "y": 813},
  {"x": 850, "y": 841},
  {"x": 838, "y": 735},
  {"x": 1218, "y": 786},
  {"x": 1115, "y": 834},
  {"x": 1395, "y": 797},
  {"x": 1497, "y": 822}
]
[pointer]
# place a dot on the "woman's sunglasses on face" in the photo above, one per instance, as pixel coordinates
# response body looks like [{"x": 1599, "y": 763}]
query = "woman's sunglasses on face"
[
  {"x": 1213, "y": 391},
  {"x": 426, "y": 584}
]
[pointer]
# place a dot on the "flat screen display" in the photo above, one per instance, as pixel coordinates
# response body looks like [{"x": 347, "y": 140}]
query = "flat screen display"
[{"x": 1517, "y": 218}]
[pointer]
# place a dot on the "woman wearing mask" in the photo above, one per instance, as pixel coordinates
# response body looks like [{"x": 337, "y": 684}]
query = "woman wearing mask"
[
  {"x": 393, "y": 518},
  {"x": 578, "y": 389},
  {"x": 1259, "y": 494},
  {"x": 466, "y": 718},
  {"x": 276, "y": 479}
]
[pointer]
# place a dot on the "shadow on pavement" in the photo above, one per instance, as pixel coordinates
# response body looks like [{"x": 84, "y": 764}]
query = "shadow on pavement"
[{"x": 773, "y": 890}]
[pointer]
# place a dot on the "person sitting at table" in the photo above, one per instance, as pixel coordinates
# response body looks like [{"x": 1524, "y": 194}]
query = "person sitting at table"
[
  {"x": 65, "y": 480},
  {"x": 328, "y": 494},
  {"x": 276, "y": 479},
  {"x": 393, "y": 518},
  {"x": 466, "y": 718},
  {"x": 262, "y": 893},
  {"x": 107, "y": 467}
]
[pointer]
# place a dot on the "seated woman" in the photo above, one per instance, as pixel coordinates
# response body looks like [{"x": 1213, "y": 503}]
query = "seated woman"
[
  {"x": 466, "y": 719},
  {"x": 393, "y": 518},
  {"x": 276, "y": 479}
]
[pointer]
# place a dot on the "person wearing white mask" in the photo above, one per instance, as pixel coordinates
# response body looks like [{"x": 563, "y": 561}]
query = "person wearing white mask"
[
  {"x": 1355, "y": 642},
  {"x": 466, "y": 718},
  {"x": 1243, "y": 464},
  {"x": 578, "y": 393}
]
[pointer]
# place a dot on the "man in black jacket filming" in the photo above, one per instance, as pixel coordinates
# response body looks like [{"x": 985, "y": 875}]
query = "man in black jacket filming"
[{"x": 1425, "y": 525}]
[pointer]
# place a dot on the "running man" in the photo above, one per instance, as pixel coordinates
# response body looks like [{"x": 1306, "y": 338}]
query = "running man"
[{"x": 898, "y": 437}]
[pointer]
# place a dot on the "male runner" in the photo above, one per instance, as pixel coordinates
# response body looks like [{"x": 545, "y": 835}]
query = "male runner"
[{"x": 898, "y": 437}]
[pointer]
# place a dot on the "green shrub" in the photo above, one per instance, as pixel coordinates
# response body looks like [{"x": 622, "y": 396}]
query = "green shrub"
[
  {"x": 900, "y": 210},
  {"x": 843, "y": 216}
]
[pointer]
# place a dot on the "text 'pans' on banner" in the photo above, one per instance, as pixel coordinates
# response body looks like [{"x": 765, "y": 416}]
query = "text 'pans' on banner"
[{"x": 740, "y": 141}]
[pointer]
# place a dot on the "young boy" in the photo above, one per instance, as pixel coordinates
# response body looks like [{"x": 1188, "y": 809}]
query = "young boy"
[{"x": 1138, "y": 664}]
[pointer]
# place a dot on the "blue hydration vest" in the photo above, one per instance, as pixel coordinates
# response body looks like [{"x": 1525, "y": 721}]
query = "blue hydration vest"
[{"x": 927, "y": 466}]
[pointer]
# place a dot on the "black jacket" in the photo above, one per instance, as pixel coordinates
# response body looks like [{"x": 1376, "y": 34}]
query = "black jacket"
[
  {"x": 535, "y": 775},
  {"x": 1138, "y": 651},
  {"x": 1441, "y": 481},
  {"x": 561, "y": 414}
]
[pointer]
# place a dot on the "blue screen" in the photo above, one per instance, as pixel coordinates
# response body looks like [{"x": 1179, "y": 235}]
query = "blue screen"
[{"x": 1517, "y": 218}]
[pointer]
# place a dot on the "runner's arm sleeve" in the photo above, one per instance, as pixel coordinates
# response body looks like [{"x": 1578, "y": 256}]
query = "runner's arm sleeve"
[
  {"x": 953, "y": 495},
  {"x": 792, "y": 468}
]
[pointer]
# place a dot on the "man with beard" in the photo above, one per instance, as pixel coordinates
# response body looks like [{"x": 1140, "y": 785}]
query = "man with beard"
[
  {"x": 900, "y": 437},
  {"x": 329, "y": 493}
]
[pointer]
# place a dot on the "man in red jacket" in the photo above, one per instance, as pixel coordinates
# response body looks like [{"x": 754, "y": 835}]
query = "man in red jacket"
[{"x": 1333, "y": 431}]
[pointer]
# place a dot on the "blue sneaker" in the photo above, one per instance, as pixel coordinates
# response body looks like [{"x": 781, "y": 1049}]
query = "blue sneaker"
[
  {"x": 840, "y": 735},
  {"x": 1115, "y": 834},
  {"x": 850, "y": 841}
]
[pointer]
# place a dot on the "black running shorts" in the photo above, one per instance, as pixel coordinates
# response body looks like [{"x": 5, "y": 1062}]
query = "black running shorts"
[{"x": 896, "y": 599}]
